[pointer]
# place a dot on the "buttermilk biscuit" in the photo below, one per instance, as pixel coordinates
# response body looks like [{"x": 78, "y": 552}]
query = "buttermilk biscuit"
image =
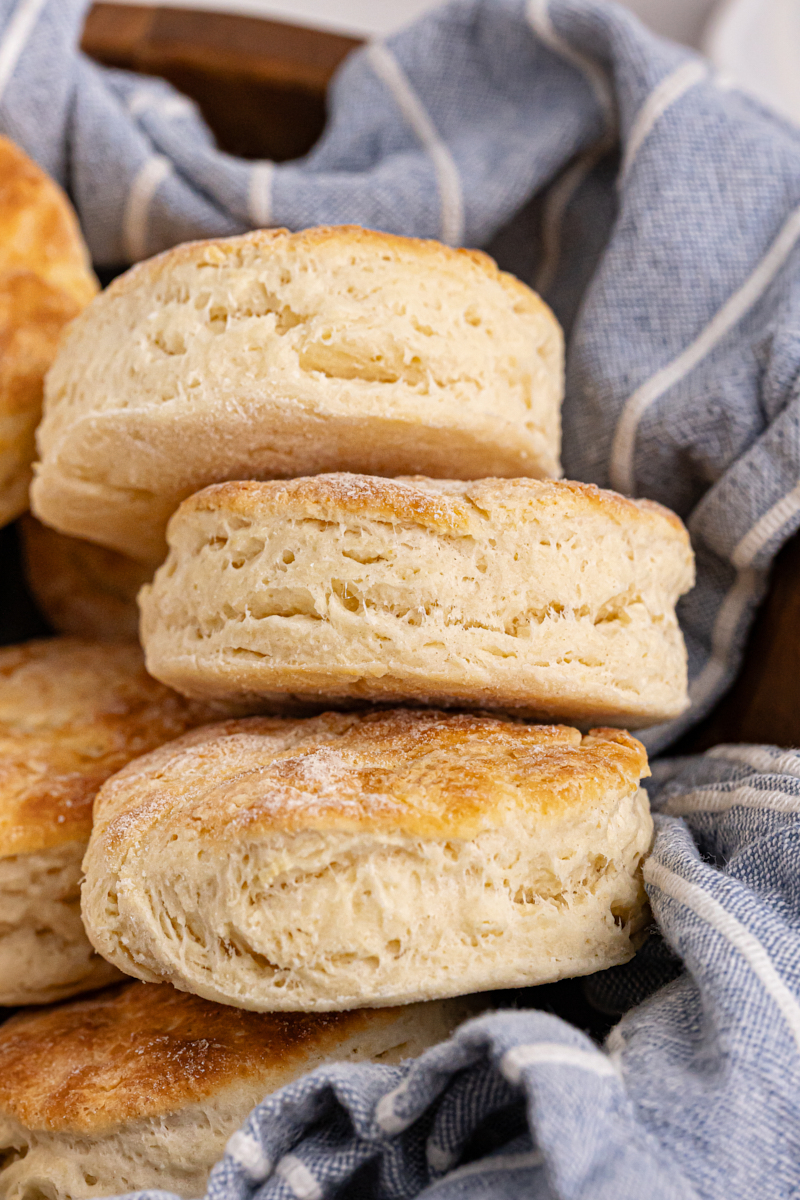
[
  {"x": 71, "y": 713},
  {"x": 364, "y": 860},
  {"x": 280, "y": 354},
  {"x": 140, "y": 1087},
  {"x": 553, "y": 599},
  {"x": 45, "y": 280},
  {"x": 80, "y": 587}
]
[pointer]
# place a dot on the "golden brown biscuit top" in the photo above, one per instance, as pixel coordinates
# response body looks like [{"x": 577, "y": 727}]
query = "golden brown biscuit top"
[
  {"x": 422, "y": 773},
  {"x": 38, "y": 229},
  {"x": 444, "y": 505},
  {"x": 141, "y": 1050},
  {"x": 71, "y": 714}
]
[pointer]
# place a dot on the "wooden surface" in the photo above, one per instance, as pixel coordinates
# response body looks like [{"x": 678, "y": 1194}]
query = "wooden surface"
[
  {"x": 764, "y": 702},
  {"x": 259, "y": 84}
]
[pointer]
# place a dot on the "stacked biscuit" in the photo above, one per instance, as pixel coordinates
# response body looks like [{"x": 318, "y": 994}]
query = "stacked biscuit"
[{"x": 374, "y": 596}]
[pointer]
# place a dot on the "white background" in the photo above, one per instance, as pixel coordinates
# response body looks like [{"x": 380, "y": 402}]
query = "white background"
[{"x": 682, "y": 19}]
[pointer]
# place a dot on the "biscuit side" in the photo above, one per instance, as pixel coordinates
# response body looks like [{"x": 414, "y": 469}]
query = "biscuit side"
[
  {"x": 83, "y": 589},
  {"x": 555, "y": 600}
]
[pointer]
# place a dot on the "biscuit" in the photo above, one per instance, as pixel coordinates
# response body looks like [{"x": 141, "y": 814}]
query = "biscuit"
[
  {"x": 141, "y": 1086},
  {"x": 82, "y": 588},
  {"x": 279, "y": 354},
  {"x": 45, "y": 280},
  {"x": 71, "y": 713},
  {"x": 348, "y": 861},
  {"x": 552, "y": 599}
]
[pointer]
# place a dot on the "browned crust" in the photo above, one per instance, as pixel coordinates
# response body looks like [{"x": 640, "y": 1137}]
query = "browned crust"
[
  {"x": 141, "y": 1050},
  {"x": 32, "y": 316},
  {"x": 38, "y": 229},
  {"x": 71, "y": 714},
  {"x": 45, "y": 280},
  {"x": 420, "y": 252},
  {"x": 419, "y": 773},
  {"x": 439, "y": 504},
  {"x": 333, "y": 495}
]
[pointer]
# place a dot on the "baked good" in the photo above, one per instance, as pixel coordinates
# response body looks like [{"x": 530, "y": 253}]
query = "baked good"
[
  {"x": 39, "y": 230},
  {"x": 141, "y": 1086},
  {"x": 71, "y": 713},
  {"x": 279, "y": 354},
  {"x": 45, "y": 280},
  {"x": 82, "y": 588},
  {"x": 349, "y": 860},
  {"x": 550, "y": 598}
]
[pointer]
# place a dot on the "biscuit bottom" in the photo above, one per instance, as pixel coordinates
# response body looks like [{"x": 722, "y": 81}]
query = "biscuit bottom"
[
  {"x": 44, "y": 952},
  {"x": 83, "y": 589},
  {"x": 361, "y": 861}
]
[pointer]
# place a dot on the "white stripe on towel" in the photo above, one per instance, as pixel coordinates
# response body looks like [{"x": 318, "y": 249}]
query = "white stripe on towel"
[
  {"x": 248, "y": 1153},
  {"x": 555, "y": 206},
  {"x": 135, "y": 219},
  {"x": 741, "y": 594},
  {"x": 621, "y": 466},
  {"x": 715, "y": 800},
  {"x": 259, "y": 196},
  {"x": 662, "y": 97},
  {"x": 714, "y": 914},
  {"x": 763, "y": 758},
  {"x": 766, "y": 527},
  {"x": 16, "y": 38},
  {"x": 389, "y": 71},
  {"x": 298, "y": 1177},
  {"x": 539, "y": 20},
  {"x": 726, "y": 627},
  {"x": 515, "y": 1060}
]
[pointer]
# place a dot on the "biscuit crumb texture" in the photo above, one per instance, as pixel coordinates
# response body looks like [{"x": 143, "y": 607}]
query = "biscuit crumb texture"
[
  {"x": 352, "y": 860},
  {"x": 552, "y": 599},
  {"x": 141, "y": 1087},
  {"x": 277, "y": 354}
]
